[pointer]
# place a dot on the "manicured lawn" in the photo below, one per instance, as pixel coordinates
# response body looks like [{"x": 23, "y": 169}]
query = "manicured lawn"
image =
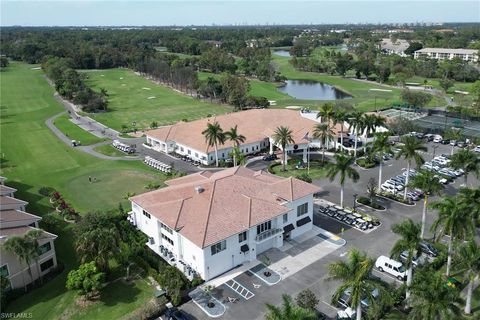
[
  {"x": 108, "y": 150},
  {"x": 74, "y": 132},
  {"x": 118, "y": 299},
  {"x": 133, "y": 98},
  {"x": 32, "y": 157},
  {"x": 317, "y": 171}
]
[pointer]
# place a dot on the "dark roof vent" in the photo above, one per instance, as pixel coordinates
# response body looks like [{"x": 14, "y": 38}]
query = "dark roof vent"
[{"x": 199, "y": 189}]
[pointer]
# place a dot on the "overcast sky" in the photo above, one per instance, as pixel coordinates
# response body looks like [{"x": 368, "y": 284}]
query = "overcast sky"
[{"x": 198, "y": 12}]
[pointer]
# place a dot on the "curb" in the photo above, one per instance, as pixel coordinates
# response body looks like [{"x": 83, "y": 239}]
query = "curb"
[
  {"x": 366, "y": 205},
  {"x": 403, "y": 204}
]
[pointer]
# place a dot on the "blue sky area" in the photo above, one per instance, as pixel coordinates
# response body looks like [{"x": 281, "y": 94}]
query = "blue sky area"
[{"x": 167, "y": 13}]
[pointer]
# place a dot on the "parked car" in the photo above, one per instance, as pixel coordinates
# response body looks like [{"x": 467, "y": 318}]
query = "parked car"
[
  {"x": 416, "y": 261},
  {"x": 445, "y": 141},
  {"x": 441, "y": 179},
  {"x": 476, "y": 149},
  {"x": 411, "y": 173},
  {"x": 269, "y": 157},
  {"x": 428, "y": 137},
  {"x": 447, "y": 172},
  {"x": 453, "y": 142},
  {"x": 175, "y": 314},
  {"x": 428, "y": 249},
  {"x": 395, "y": 268},
  {"x": 413, "y": 196},
  {"x": 394, "y": 184},
  {"x": 461, "y": 144},
  {"x": 437, "y": 139},
  {"x": 388, "y": 188}
]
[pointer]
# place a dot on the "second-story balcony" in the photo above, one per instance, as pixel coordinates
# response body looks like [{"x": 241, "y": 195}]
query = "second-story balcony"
[{"x": 267, "y": 234}]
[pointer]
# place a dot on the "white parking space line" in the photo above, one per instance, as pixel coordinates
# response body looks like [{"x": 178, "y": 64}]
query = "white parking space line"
[{"x": 328, "y": 304}]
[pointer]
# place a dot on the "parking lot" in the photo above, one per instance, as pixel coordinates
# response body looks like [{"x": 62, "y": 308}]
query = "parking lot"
[{"x": 314, "y": 276}]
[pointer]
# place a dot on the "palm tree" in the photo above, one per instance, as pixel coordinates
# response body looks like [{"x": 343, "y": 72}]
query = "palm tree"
[
  {"x": 355, "y": 273},
  {"x": 356, "y": 126},
  {"x": 381, "y": 146},
  {"x": 431, "y": 299},
  {"x": 236, "y": 138},
  {"x": 466, "y": 160},
  {"x": 340, "y": 116},
  {"x": 33, "y": 237},
  {"x": 283, "y": 136},
  {"x": 410, "y": 150},
  {"x": 429, "y": 184},
  {"x": 342, "y": 166},
  {"x": 324, "y": 133},
  {"x": 237, "y": 155},
  {"x": 453, "y": 134},
  {"x": 18, "y": 246},
  {"x": 453, "y": 220},
  {"x": 213, "y": 136},
  {"x": 468, "y": 257},
  {"x": 99, "y": 245},
  {"x": 471, "y": 197},
  {"x": 326, "y": 112},
  {"x": 409, "y": 241},
  {"x": 289, "y": 311}
]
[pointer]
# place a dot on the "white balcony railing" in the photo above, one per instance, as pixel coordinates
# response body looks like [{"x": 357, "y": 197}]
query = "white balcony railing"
[{"x": 267, "y": 234}]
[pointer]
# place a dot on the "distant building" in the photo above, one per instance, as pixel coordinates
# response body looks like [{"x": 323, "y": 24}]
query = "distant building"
[
  {"x": 206, "y": 224},
  {"x": 215, "y": 43},
  {"x": 14, "y": 221},
  {"x": 257, "y": 125},
  {"x": 469, "y": 55},
  {"x": 398, "y": 47}
]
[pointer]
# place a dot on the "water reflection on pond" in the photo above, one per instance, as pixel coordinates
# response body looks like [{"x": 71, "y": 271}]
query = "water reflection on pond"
[{"x": 312, "y": 90}]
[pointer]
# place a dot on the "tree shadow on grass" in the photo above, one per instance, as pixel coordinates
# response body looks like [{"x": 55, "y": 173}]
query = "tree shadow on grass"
[
  {"x": 120, "y": 292},
  {"x": 37, "y": 204}
]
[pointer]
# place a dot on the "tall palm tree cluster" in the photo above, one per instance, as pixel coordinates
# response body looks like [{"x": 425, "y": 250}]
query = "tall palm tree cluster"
[{"x": 214, "y": 136}]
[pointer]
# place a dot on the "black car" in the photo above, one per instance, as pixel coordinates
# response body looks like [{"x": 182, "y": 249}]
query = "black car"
[
  {"x": 427, "y": 248},
  {"x": 175, "y": 314},
  {"x": 445, "y": 141},
  {"x": 269, "y": 157}
]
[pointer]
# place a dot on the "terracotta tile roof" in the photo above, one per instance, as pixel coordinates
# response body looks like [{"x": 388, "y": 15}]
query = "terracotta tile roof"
[
  {"x": 255, "y": 125},
  {"x": 16, "y": 215},
  {"x": 6, "y": 190},
  {"x": 19, "y": 231},
  {"x": 5, "y": 200},
  {"x": 231, "y": 201}
]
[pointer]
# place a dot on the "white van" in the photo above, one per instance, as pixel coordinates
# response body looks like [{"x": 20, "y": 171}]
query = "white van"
[{"x": 395, "y": 268}]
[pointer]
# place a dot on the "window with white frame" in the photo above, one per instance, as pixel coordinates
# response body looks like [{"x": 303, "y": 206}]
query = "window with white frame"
[
  {"x": 302, "y": 209},
  {"x": 285, "y": 218},
  {"x": 242, "y": 236},
  {"x": 146, "y": 214},
  {"x": 164, "y": 237},
  {"x": 264, "y": 227},
  {"x": 168, "y": 229},
  {"x": 4, "y": 271},
  {"x": 218, "y": 247},
  {"x": 44, "y": 248}
]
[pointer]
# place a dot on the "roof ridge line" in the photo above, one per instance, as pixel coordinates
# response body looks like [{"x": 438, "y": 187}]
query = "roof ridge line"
[
  {"x": 209, "y": 212},
  {"x": 179, "y": 213}
]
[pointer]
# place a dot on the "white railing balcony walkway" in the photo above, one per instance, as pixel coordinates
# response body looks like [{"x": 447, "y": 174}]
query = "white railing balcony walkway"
[{"x": 267, "y": 234}]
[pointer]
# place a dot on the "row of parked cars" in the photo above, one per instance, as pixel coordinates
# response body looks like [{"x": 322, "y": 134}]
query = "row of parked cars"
[
  {"x": 348, "y": 217},
  {"x": 440, "y": 164},
  {"x": 397, "y": 184}
]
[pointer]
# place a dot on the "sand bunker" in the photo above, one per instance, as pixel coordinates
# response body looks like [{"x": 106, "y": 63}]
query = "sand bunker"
[
  {"x": 36, "y": 68},
  {"x": 151, "y": 98},
  {"x": 145, "y": 88}
]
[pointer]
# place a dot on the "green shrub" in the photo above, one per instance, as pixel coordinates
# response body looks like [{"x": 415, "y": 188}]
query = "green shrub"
[
  {"x": 366, "y": 201},
  {"x": 304, "y": 177},
  {"x": 364, "y": 163},
  {"x": 196, "y": 281},
  {"x": 46, "y": 191}
]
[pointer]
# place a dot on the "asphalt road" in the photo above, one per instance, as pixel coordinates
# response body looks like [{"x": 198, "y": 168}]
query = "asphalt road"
[{"x": 379, "y": 242}]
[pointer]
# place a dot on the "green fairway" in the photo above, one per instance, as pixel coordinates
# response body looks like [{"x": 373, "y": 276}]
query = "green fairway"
[
  {"x": 109, "y": 150},
  {"x": 74, "y": 132},
  {"x": 32, "y": 156},
  {"x": 133, "y": 98}
]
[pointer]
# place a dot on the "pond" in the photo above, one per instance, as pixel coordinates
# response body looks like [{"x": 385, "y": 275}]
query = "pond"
[
  {"x": 312, "y": 90},
  {"x": 282, "y": 53}
]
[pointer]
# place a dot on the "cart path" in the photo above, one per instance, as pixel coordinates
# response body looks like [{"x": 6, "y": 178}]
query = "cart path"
[{"x": 86, "y": 149}]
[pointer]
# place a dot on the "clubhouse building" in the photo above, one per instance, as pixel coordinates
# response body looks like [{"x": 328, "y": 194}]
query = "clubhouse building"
[
  {"x": 257, "y": 125},
  {"x": 208, "y": 223},
  {"x": 14, "y": 221}
]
